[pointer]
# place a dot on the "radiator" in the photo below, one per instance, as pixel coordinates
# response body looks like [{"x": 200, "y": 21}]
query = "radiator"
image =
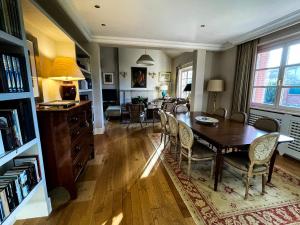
[{"x": 289, "y": 125}]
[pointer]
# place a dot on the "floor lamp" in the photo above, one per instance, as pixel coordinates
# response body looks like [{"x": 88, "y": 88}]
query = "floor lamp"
[{"x": 215, "y": 86}]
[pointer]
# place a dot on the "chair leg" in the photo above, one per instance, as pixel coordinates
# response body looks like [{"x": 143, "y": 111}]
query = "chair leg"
[
  {"x": 165, "y": 140},
  {"x": 189, "y": 167},
  {"x": 141, "y": 125},
  {"x": 263, "y": 180},
  {"x": 161, "y": 136},
  {"x": 221, "y": 170},
  {"x": 212, "y": 169},
  {"x": 247, "y": 187},
  {"x": 180, "y": 159}
]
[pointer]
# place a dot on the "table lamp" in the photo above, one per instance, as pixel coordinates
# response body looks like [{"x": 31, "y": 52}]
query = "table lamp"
[
  {"x": 215, "y": 86},
  {"x": 164, "y": 89},
  {"x": 65, "y": 69}
]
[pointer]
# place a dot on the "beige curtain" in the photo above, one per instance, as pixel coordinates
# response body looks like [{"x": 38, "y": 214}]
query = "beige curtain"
[{"x": 245, "y": 58}]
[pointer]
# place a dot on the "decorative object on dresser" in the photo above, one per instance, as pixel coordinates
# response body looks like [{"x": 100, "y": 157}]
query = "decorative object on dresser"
[
  {"x": 68, "y": 143},
  {"x": 65, "y": 69}
]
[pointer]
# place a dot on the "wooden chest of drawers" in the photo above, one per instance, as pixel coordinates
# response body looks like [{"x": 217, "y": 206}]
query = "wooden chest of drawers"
[{"x": 67, "y": 143}]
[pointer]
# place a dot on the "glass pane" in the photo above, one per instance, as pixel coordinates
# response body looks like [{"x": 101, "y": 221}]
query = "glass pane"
[
  {"x": 290, "y": 97},
  {"x": 293, "y": 54},
  {"x": 292, "y": 76},
  {"x": 190, "y": 74},
  {"x": 269, "y": 59},
  {"x": 266, "y": 77},
  {"x": 264, "y": 95}
]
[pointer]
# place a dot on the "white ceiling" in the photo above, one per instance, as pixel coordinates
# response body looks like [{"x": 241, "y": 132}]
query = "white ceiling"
[
  {"x": 37, "y": 19},
  {"x": 174, "y": 23}
]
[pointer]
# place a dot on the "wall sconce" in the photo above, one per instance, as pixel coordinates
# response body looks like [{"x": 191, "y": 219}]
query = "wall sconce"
[
  {"x": 152, "y": 74},
  {"x": 123, "y": 74}
]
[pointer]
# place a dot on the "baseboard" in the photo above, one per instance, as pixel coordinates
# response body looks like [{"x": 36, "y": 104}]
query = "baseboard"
[{"x": 99, "y": 130}]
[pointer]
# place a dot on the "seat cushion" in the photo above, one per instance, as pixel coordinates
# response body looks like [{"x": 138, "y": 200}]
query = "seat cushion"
[
  {"x": 200, "y": 151},
  {"x": 240, "y": 160}
]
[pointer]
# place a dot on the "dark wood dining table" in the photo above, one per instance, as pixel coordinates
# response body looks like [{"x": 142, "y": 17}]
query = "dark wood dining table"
[{"x": 226, "y": 134}]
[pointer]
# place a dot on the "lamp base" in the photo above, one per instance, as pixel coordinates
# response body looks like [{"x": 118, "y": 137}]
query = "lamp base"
[{"x": 68, "y": 90}]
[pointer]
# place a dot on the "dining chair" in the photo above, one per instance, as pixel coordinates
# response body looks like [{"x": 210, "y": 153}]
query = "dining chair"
[
  {"x": 181, "y": 108},
  {"x": 222, "y": 112},
  {"x": 164, "y": 126},
  {"x": 169, "y": 106},
  {"x": 136, "y": 114},
  {"x": 239, "y": 117},
  {"x": 173, "y": 132},
  {"x": 267, "y": 124},
  {"x": 193, "y": 151},
  {"x": 256, "y": 161}
]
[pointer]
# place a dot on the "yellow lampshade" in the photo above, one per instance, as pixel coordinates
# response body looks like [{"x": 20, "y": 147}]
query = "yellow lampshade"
[
  {"x": 65, "y": 69},
  {"x": 215, "y": 85}
]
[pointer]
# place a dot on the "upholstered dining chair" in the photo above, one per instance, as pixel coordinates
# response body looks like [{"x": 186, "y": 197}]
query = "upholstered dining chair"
[
  {"x": 173, "y": 132},
  {"x": 193, "y": 151},
  {"x": 267, "y": 124},
  {"x": 256, "y": 161},
  {"x": 136, "y": 114},
  {"x": 164, "y": 126},
  {"x": 239, "y": 117},
  {"x": 169, "y": 106},
  {"x": 182, "y": 108},
  {"x": 222, "y": 112}
]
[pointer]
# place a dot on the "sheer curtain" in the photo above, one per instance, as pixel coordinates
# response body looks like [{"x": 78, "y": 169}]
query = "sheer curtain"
[{"x": 244, "y": 66}]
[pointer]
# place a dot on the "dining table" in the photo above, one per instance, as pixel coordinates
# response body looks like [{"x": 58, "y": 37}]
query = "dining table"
[{"x": 227, "y": 134}]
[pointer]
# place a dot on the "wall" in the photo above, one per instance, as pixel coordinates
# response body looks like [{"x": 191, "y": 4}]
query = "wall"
[
  {"x": 220, "y": 65},
  {"x": 48, "y": 50},
  {"x": 127, "y": 59},
  {"x": 109, "y": 64},
  {"x": 184, "y": 58}
]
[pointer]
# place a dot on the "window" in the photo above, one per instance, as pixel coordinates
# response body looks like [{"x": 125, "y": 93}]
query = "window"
[
  {"x": 185, "y": 77},
  {"x": 277, "y": 78}
]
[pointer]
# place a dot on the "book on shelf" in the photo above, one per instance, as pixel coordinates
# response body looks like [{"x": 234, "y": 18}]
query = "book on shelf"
[
  {"x": 29, "y": 159},
  {"x": 11, "y": 74},
  {"x": 15, "y": 185},
  {"x": 10, "y": 129},
  {"x": 9, "y": 17}
]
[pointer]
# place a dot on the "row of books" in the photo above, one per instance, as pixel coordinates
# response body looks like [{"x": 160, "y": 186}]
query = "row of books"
[
  {"x": 10, "y": 135},
  {"x": 9, "y": 17},
  {"x": 10, "y": 74},
  {"x": 17, "y": 182}
]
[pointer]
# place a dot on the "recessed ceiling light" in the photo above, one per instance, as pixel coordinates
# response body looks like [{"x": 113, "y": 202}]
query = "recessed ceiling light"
[
  {"x": 103, "y": 25},
  {"x": 97, "y": 6},
  {"x": 202, "y": 25}
]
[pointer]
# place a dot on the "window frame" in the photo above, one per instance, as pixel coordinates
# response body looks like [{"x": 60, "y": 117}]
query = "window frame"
[
  {"x": 182, "y": 70},
  {"x": 279, "y": 87}
]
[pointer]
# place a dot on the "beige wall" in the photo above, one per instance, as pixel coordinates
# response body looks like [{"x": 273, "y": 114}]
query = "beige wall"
[{"x": 48, "y": 50}]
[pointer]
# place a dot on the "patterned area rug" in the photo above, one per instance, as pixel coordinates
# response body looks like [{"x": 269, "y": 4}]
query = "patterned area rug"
[{"x": 280, "y": 205}]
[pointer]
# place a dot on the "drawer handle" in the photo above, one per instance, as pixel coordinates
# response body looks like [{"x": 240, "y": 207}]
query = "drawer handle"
[{"x": 74, "y": 118}]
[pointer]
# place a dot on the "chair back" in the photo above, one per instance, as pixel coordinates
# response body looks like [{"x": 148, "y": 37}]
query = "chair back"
[
  {"x": 135, "y": 111},
  {"x": 169, "y": 107},
  {"x": 182, "y": 108},
  {"x": 186, "y": 135},
  {"x": 163, "y": 118},
  {"x": 267, "y": 124},
  {"x": 262, "y": 148},
  {"x": 239, "y": 117},
  {"x": 222, "y": 112},
  {"x": 173, "y": 125}
]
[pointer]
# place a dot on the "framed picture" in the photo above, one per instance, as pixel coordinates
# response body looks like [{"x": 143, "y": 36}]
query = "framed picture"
[
  {"x": 35, "y": 68},
  {"x": 138, "y": 77},
  {"x": 108, "y": 78},
  {"x": 165, "y": 76}
]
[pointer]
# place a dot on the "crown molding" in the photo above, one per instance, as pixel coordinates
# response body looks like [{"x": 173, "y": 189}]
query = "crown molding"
[
  {"x": 140, "y": 42},
  {"x": 278, "y": 24}
]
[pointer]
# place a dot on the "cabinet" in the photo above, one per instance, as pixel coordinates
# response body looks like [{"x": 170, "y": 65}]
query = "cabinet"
[{"x": 67, "y": 143}]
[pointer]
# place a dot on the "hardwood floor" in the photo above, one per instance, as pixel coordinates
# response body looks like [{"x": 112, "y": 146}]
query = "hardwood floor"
[{"x": 111, "y": 191}]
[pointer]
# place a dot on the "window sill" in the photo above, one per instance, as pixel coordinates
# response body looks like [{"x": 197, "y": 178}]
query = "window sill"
[{"x": 281, "y": 111}]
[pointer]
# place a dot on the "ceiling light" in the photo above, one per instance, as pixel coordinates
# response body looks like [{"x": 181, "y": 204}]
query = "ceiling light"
[
  {"x": 103, "y": 25},
  {"x": 97, "y": 6},
  {"x": 202, "y": 25},
  {"x": 145, "y": 59}
]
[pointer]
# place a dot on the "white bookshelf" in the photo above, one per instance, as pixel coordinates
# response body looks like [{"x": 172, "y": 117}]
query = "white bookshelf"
[{"x": 39, "y": 195}]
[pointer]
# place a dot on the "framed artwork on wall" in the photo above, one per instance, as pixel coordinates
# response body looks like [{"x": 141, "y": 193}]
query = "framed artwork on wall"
[
  {"x": 33, "y": 52},
  {"x": 138, "y": 77},
  {"x": 165, "y": 76},
  {"x": 108, "y": 78}
]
